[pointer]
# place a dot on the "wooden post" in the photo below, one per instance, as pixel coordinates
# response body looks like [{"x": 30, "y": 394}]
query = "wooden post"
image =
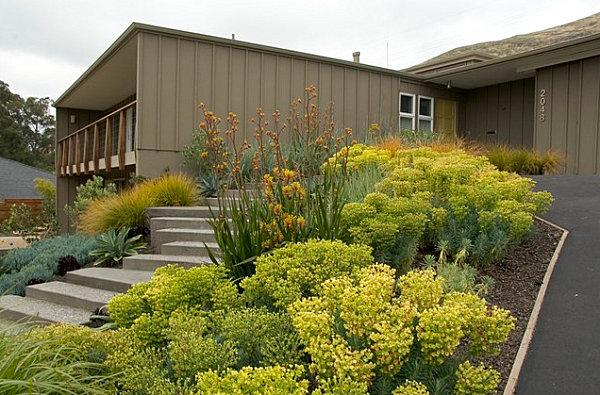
[
  {"x": 86, "y": 162},
  {"x": 59, "y": 154},
  {"x": 121, "y": 147},
  {"x": 65, "y": 157},
  {"x": 70, "y": 157},
  {"x": 77, "y": 149},
  {"x": 107, "y": 145},
  {"x": 96, "y": 152}
]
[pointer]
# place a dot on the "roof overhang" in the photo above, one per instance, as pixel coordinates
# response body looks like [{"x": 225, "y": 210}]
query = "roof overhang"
[
  {"x": 109, "y": 80},
  {"x": 112, "y": 77},
  {"x": 518, "y": 66}
]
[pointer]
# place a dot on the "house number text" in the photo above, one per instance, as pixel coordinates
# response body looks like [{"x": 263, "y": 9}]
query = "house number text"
[{"x": 542, "y": 105}]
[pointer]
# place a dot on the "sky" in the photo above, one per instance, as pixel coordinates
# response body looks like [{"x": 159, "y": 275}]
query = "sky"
[{"x": 46, "y": 45}]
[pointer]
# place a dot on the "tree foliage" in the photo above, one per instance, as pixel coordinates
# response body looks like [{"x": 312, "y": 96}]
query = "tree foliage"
[{"x": 26, "y": 129}]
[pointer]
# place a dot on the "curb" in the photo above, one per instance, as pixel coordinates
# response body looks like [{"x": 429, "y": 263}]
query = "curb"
[{"x": 513, "y": 378}]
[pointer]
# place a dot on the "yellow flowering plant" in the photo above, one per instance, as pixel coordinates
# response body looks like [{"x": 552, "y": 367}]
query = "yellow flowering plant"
[{"x": 371, "y": 328}]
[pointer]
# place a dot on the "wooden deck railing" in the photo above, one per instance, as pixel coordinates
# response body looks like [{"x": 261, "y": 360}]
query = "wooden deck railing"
[{"x": 91, "y": 148}]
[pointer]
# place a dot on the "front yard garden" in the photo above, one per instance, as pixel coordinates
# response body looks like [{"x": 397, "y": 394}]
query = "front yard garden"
[{"x": 345, "y": 268}]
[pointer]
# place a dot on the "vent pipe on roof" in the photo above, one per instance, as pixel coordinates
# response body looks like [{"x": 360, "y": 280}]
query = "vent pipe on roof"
[
  {"x": 233, "y": 36},
  {"x": 356, "y": 57}
]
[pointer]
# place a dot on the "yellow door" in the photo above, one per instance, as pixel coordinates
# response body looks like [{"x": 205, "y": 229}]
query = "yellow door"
[{"x": 445, "y": 117}]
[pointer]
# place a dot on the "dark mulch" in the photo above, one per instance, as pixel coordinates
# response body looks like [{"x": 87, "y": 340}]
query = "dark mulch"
[{"x": 517, "y": 280}]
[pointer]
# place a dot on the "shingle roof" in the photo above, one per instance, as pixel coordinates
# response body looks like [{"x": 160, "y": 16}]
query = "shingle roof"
[{"x": 16, "y": 180}]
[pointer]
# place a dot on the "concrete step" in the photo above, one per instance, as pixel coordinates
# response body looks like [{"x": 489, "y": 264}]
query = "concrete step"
[
  {"x": 163, "y": 236},
  {"x": 151, "y": 262},
  {"x": 16, "y": 308},
  {"x": 118, "y": 280},
  {"x": 191, "y": 248},
  {"x": 72, "y": 295},
  {"x": 178, "y": 222},
  {"x": 188, "y": 212}
]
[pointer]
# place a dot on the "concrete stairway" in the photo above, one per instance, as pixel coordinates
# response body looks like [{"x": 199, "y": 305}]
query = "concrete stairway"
[
  {"x": 72, "y": 300},
  {"x": 179, "y": 234}
]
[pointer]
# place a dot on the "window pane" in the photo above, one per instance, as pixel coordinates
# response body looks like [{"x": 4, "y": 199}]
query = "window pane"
[
  {"x": 406, "y": 123},
  {"x": 406, "y": 104},
  {"x": 425, "y": 125},
  {"x": 424, "y": 107}
]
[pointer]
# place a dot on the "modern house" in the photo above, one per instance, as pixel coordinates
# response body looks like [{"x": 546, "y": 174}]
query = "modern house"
[{"x": 135, "y": 108}]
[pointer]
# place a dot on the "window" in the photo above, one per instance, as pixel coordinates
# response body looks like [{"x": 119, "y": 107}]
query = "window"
[
  {"x": 425, "y": 114},
  {"x": 407, "y": 111},
  {"x": 416, "y": 112}
]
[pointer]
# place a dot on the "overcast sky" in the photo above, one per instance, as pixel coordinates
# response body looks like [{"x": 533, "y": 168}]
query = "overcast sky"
[{"x": 46, "y": 45}]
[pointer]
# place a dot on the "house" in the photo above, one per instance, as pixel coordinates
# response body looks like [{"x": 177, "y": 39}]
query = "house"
[
  {"x": 17, "y": 186},
  {"x": 135, "y": 108}
]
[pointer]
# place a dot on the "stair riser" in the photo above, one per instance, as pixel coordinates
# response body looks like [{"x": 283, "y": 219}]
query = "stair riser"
[
  {"x": 160, "y": 238},
  {"x": 65, "y": 300},
  {"x": 187, "y": 212},
  {"x": 164, "y": 223},
  {"x": 187, "y": 250},
  {"x": 109, "y": 285},
  {"x": 153, "y": 265}
]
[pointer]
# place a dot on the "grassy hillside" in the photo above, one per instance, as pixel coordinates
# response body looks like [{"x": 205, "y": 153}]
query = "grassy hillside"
[{"x": 527, "y": 42}]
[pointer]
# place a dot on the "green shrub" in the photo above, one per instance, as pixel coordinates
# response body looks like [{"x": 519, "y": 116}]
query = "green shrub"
[
  {"x": 147, "y": 307},
  {"x": 367, "y": 331},
  {"x": 297, "y": 270},
  {"x": 475, "y": 211},
  {"x": 94, "y": 188},
  {"x": 39, "y": 261},
  {"x": 392, "y": 226},
  {"x": 250, "y": 381},
  {"x": 113, "y": 247}
]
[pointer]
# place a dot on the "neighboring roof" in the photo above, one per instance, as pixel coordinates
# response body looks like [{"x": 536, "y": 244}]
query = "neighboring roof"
[
  {"x": 122, "y": 54},
  {"x": 519, "y": 66},
  {"x": 16, "y": 180},
  {"x": 449, "y": 64},
  {"x": 524, "y": 42}
]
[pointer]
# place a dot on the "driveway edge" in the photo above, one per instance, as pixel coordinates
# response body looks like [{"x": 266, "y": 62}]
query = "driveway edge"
[{"x": 513, "y": 378}]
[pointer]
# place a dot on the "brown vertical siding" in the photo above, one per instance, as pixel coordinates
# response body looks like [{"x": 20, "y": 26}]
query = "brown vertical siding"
[
  {"x": 506, "y": 109},
  {"x": 571, "y": 125},
  {"x": 176, "y": 74}
]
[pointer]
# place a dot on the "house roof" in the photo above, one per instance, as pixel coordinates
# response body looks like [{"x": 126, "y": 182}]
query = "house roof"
[
  {"x": 16, "y": 180},
  {"x": 113, "y": 75},
  {"x": 519, "y": 66}
]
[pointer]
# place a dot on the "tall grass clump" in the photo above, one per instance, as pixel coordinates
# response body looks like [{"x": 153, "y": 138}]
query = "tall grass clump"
[
  {"x": 33, "y": 364},
  {"x": 172, "y": 190},
  {"x": 523, "y": 161},
  {"x": 128, "y": 208}
]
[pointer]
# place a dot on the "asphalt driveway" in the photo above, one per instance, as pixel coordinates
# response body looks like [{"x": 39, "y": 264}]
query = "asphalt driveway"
[{"x": 564, "y": 356}]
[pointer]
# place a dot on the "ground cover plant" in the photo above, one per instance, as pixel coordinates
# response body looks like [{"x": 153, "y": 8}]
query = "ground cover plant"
[{"x": 41, "y": 260}]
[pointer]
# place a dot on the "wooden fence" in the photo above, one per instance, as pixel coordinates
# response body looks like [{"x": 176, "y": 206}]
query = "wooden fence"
[{"x": 35, "y": 205}]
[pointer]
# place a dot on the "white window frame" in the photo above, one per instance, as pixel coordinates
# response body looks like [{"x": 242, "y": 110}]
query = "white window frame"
[
  {"x": 425, "y": 117},
  {"x": 413, "y": 114}
]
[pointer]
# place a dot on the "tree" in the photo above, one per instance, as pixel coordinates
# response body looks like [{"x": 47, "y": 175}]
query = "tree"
[{"x": 26, "y": 129}]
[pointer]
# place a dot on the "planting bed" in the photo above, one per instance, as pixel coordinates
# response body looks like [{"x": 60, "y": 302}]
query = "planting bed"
[{"x": 517, "y": 280}]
